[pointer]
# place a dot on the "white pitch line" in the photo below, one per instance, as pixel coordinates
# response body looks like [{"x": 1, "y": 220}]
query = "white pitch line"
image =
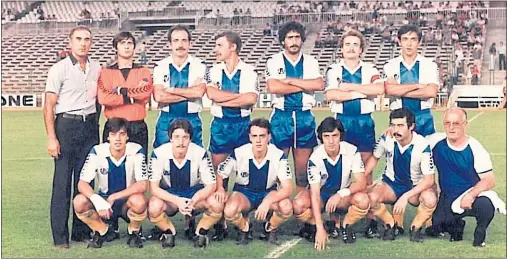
[
  {"x": 475, "y": 117},
  {"x": 283, "y": 248}
]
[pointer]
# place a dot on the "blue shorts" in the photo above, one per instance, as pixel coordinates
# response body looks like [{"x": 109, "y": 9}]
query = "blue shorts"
[
  {"x": 164, "y": 121},
  {"x": 283, "y": 125},
  {"x": 398, "y": 188},
  {"x": 325, "y": 196},
  {"x": 424, "y": 124},
  {"x": 255, "y": 197},
  {"x": 228, "y": 134},
  {"x": 185, "y": 193},
  {"x": 359, "y": 131},
  {"x": 117, "y": 208}
]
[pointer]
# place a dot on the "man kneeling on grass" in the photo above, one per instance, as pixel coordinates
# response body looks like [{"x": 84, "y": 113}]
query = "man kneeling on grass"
[
  {"x": 182, "y": 179},
  {"x": 331, "y": 168},
  {"x": 120, "y": 170}
]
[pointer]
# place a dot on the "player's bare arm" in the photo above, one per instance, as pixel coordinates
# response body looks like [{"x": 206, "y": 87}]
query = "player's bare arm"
[
  {"x": 321, "y": 234},
  {"x": 428, "y": 91},
  {"x": 393, "y": 88},
  {"x": 204, "y": 193},
  {"x": 194, "y": 91},
  {"x": 371, "y": 163},
  {"x": 49, "y": 121},
  {"x": 160, "y": 193},
  {"x": 275, "y": 196},
  {"x": 487, "y": 182},
  {"x": 281, "y": 86},
  {"x": 218, "y": 95},
  {"x": 359, "y": 184},
  {"x": 243, "y": 100},
  {"x": 161, "y": 96},
  {"x": 137, "y": 187},
  {"x": 340, "y": 95},
  {"x": 369, "y": 89},
  {"x": 307, "y": 85}
]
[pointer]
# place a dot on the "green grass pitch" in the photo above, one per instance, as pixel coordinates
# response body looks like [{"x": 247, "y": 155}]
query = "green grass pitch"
[{"x": 27, "y": 175}]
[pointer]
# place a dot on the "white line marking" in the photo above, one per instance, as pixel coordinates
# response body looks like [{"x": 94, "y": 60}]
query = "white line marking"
[
  {"x": 475, "y": 117},
  {"x": 283, "y": 248}
]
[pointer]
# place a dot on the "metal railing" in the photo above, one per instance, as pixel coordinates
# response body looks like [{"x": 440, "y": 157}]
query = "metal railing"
[
  {"x": 167, "y": 12},
  {"x": 40, "y": 27},
  {"x": 390, "y": 16}
]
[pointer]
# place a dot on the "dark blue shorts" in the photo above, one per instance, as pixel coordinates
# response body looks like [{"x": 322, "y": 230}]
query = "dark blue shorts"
[
  {"x": 185, "y": 193},
  {"x": 293, "y": 129},
  {"x": 424, "y": 124},
  {"x": 398, "y": 188},
  {"x": 255, "y": 197},
  {"x": 164, "y": 121},
  {"x": 228, "y": 134},
  {"x": 359, "y": 131},
  {"x": 117, "y": 208}
]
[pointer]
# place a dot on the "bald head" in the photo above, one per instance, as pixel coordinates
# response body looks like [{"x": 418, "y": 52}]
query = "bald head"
[{"x": 456, "y": 111}]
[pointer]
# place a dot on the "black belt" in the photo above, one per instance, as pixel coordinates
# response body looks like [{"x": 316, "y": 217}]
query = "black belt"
[{"x": 77, "y": 117}]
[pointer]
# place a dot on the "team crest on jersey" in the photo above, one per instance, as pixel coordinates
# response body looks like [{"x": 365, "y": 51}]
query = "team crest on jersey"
[
  {"x": 323, "y": 176},
  {"x": 281, "y": 71},
  {"x": 390, "y": 154},
  {"x": 396, "y": 77},
  {"x": 103, "y": 171},
  {"x": 339, "y": 80},
  {"x": 166, "y": 172},
  {"x": 167, "y": 78},
  {"x": 244, "y": 174},
  {"x": 383, "y": 76}
]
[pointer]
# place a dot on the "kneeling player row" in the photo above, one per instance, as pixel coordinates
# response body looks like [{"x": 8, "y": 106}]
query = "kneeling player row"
[{"x": 181, "y": 178}]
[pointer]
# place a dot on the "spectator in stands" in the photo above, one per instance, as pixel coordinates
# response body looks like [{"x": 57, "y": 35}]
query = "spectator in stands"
[
  {"x": 471, "y": 40},
  {"x": 72, "y": 126},
  {"x": 248, "y": 16},
  {"x": 475, "y": 75},
  {"x": 477, "y": 56},
  {"x": 492, "y": 53},
  {"x": 459, "y": 57},
  {"x": 429, "y": 37},
  {"x": 439, "y": 20},
  {"x": 142, "y": 52},
  {"x": 501, "y": 56},
  {"x": 267, "y": 30},
  {"x": 469, "y": 74},
  {"x": 386, "y": 35},
  {"x": 439, "y": 38}
]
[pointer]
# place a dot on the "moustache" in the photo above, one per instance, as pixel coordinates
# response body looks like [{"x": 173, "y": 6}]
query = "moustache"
[
  {"x": 180, "y": 49},
  {"x": 297, "y": 46},
  {"x": 397, "y": 135}
]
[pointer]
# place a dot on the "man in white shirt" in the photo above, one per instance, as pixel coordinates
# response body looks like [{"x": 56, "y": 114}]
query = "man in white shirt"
[
  {"x": 119, "y": 168},
  {"x": 260, "y": 168},
  {"x": 501, "y": 56},
  {"x": 408, "y": 176}
]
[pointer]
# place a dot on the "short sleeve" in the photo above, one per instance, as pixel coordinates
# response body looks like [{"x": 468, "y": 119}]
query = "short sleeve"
[
  {"x": 90, "y": 167},
  {"x": 158, "y": 75},
  {"x": 54, "y": 79},
  {"x": 228, "y": 166},
  {"x": 482, "y": 160},
  {"x": 331, "y": 79},
  {"x": 357, "y": 163},
  {"x": 206, "y": 170},
  {"x": 314, "y": 69},
  {"x": 373, "y": 75},
  {"x": 271, "y": 69},
  {"x": 430, "y": 73},
  {"x": 389, "y": 70},
  {"x": 380, "y": 147},
  {"x": 250, "y": 84},
  {"x": 141, "y": 172},
  {"x": 427, "y": 165},
  {"x": 156, "y": 168},
  {"x": 283, "y": 172},
  {"x": 313, "y": 173}
]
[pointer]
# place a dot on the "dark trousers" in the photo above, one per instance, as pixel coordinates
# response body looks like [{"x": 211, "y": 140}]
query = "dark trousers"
[
  {"x": 501, "y": 61},
  {"x": 445, "y": 220},
  {"x": 137, "y": 132},
  {"x": 76, "y": 137}
]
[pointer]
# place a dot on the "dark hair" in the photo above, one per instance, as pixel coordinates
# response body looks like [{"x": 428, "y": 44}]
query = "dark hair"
[
  {"x": 181, "y": 124},
  {"x": 329, "y": 124},
  {"x": 403, "y": 113},
  {"x": 232, "y": 38},
  {"x": 179, "y": 27},
  {"x": 410, "y": 28},
  {"x": 79, "y": 28},
  {"x": 115, "y": 124},
  {"x": 124, "y": 35},
  {"x": 261, "y": 123},
  {"x": 291, "y": 26}
]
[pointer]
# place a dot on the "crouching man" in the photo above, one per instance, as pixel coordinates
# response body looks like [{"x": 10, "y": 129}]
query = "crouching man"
[{"x": 120, "y": 170}]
